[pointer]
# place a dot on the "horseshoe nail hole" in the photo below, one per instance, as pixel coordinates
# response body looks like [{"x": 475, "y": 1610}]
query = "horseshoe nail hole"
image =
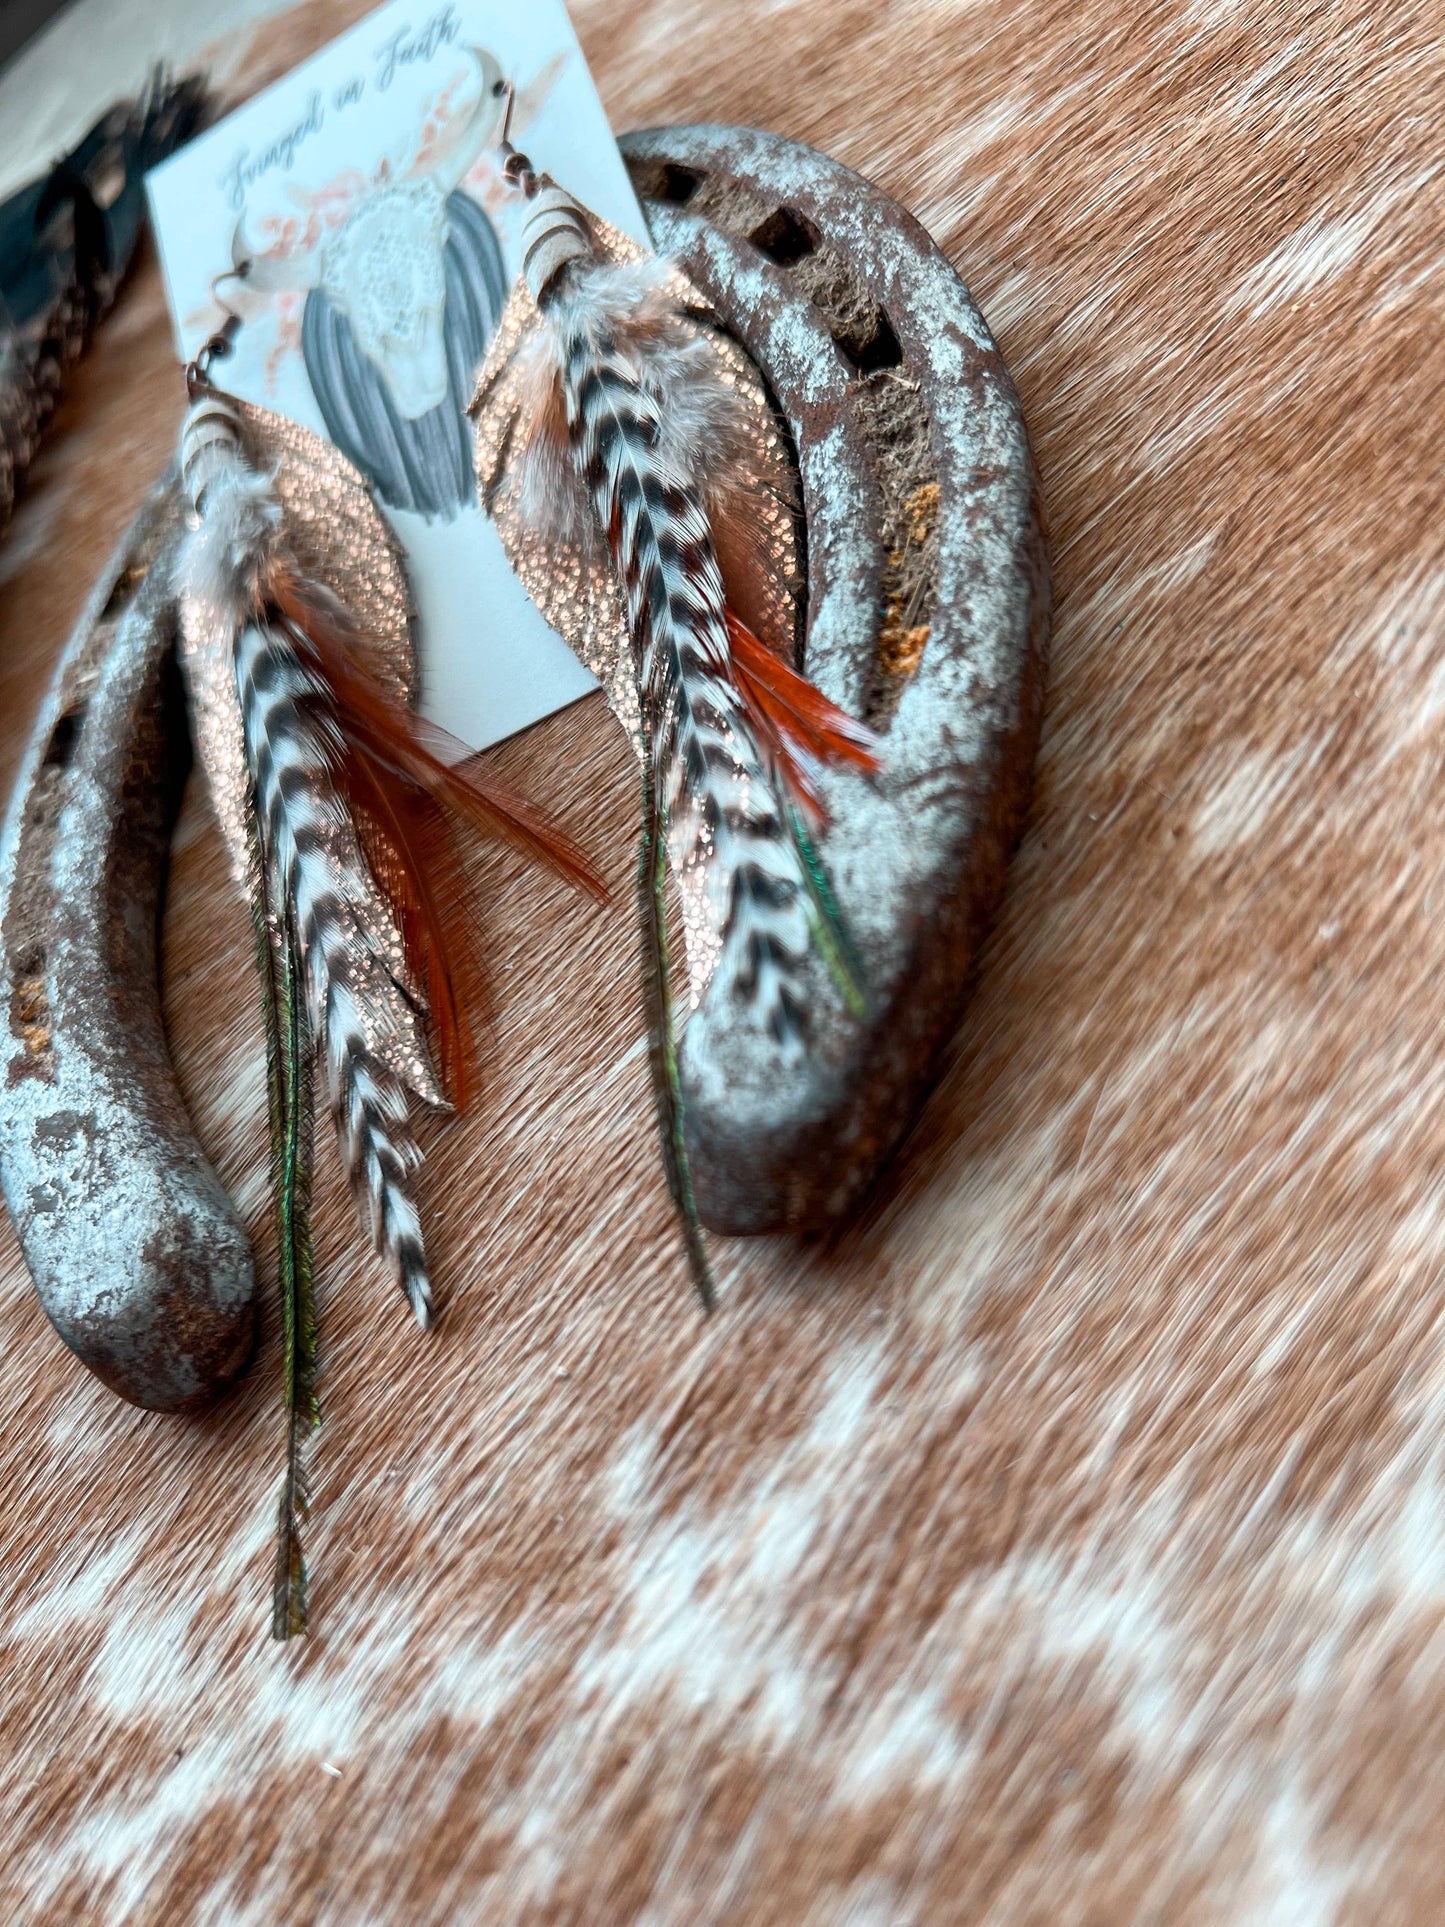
[
  {"x": 785, "y": 237},
  {"x": 122, "y": 589},
  {"x": 870, "y": 343},
  {"x": 29, "y": 1003},
  {"x": 61, "y": 747},
  {"x": 678, "y": 184}
]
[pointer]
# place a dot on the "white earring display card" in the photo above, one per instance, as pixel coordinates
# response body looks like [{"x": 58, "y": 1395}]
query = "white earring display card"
[{"x": 366, "y": 193}]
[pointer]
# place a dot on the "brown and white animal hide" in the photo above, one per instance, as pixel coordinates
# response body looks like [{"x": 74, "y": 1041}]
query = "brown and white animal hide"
[{"x": 1065, "y": 1543}]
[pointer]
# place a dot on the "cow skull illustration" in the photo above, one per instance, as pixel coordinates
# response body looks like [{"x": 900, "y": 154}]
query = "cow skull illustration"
[
  {"x": 402, "y": 295},
  {"x": 382, "y": 269}
]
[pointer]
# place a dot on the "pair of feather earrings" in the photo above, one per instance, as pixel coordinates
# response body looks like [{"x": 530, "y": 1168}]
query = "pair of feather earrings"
[{"x": 611, "y": 421}]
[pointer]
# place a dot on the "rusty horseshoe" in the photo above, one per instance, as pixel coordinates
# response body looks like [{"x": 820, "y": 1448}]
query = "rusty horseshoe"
[{"x": 926, "y": 611}]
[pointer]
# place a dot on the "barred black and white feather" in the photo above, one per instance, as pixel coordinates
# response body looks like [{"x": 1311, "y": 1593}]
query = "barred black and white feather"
[
  {"x": 359, "y": 1011},
  {"x": 645, "y": 422},
  {"x": 724, "y": 815},
  {"x": 362, "y": 1008},
  {"x": 627, "y": 438}
]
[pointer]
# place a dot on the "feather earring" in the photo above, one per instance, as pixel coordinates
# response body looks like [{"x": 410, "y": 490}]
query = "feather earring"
[
  {"x": 333, "y": 796},
  {"x": 617, "y": 451},
  {"x": 66, "y": 244}
]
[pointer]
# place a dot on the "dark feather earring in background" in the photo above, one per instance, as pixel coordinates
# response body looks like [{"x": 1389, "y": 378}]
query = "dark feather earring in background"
[
  {"x": 65, "y": 244},
  {"x": 623, "y": 450},
  {"x": 333, "y": 796}
]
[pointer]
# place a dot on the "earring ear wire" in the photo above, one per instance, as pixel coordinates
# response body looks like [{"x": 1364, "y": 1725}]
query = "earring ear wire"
[{"x": 220, "y": 344}]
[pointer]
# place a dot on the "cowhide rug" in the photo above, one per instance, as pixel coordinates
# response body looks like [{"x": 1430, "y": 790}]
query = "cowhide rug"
[{"x": 1067, "y": 1543}]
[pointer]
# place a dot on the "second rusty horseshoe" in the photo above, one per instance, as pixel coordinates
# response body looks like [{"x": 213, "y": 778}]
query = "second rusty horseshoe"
[{"x": 137, "y": 1253}]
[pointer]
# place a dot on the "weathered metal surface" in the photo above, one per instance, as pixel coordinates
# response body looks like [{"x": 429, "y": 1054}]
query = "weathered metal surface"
[
  {"x": 928, "y": 611},
  {"x": 137, "y": 1254}
]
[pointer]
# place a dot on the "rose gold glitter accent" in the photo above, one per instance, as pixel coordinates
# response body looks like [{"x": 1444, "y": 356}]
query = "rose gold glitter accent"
[
  {"x": 574, "y": 591},
  {"x": 338, "y": 537},
  {"x": 208, "y": 665},
  {"x": 754, "y": 509},
  {"x": 573, "y": 587}
]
